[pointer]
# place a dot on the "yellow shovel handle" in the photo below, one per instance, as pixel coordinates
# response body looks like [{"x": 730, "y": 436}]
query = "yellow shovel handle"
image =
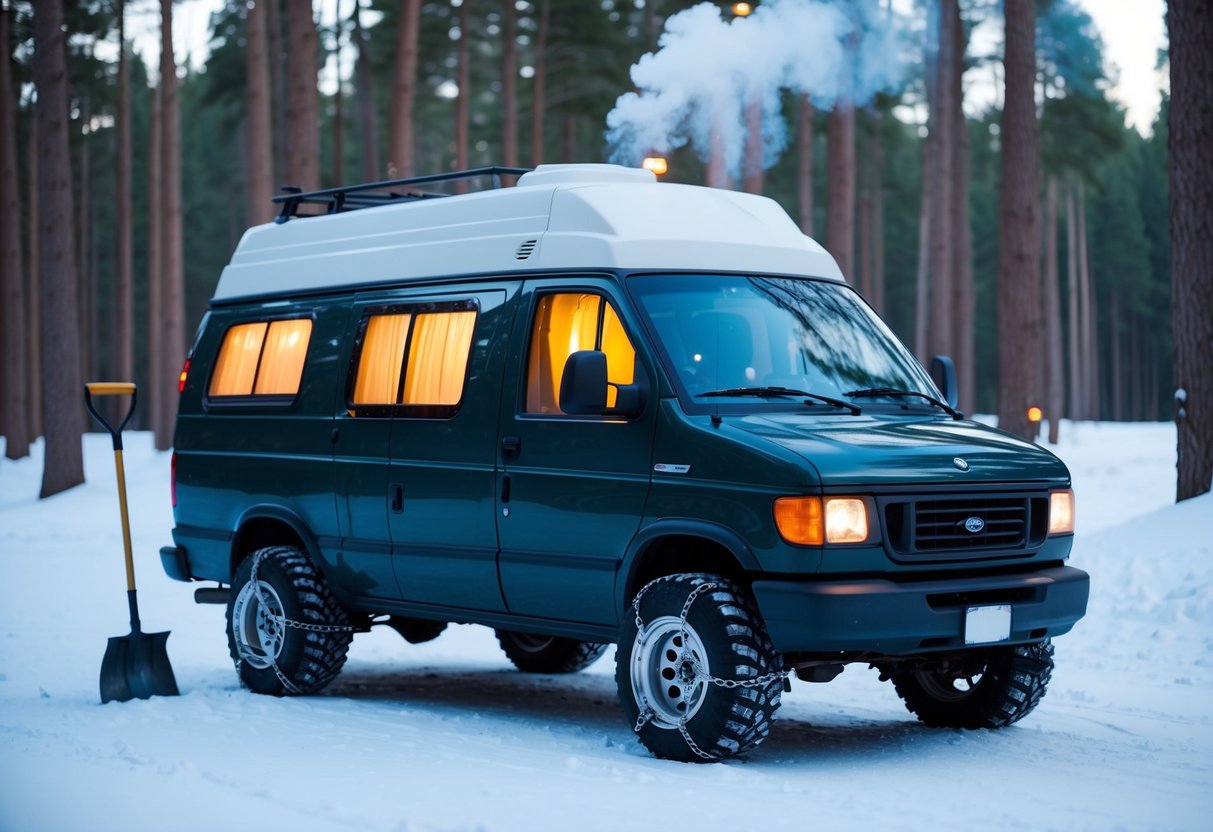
[{"x": 110, "y": 388}]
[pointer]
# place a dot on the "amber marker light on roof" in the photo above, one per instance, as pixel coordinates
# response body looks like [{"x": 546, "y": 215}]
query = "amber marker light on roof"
[
  {"x": 742, "y": 9},
  {"x": 1035, "y": 414},
  {"x": 799, "y": 520},
  {"x": 657, "y": 164}
]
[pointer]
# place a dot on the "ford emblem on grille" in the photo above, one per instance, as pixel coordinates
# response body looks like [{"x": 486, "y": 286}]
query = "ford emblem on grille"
[
  {"x": 960, "y": 463},
  {"x": 974, "y": 524}
]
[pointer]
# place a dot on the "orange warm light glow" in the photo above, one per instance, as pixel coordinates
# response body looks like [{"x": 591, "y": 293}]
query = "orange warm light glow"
[
  {"x": 564, "y": 324},
  {"x": 438, "y": 358},
  {"x": 378, "y": 379},
  {"x": 657, "y": 164},
  {"x": 261, "y": 358},
  {"x": 799, "y": 520},
  {"x": 846, "y": 520},
  {"x": 1035, "y": 414},
  {"x": 743, "y": 9}
]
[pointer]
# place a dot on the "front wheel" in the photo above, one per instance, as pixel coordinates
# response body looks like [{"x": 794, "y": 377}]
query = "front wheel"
[
  {"x": 696, "y": 672},
  {"x": 533, "y": 653},
  {"x": 990, "y": 687},
  {"x": 286, "y": 632}
]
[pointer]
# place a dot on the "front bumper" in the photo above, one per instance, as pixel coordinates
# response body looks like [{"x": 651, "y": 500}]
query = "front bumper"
[{"x": 900, "y": 618}]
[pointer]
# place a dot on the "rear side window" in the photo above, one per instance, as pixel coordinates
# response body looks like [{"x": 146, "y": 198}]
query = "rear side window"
[
  {"x": 413, "y": 361},
  {"x": 261, "y": 358}
]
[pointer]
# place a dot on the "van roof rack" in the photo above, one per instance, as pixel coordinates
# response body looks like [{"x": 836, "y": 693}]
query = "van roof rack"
[{"x": 372, "y": 194}]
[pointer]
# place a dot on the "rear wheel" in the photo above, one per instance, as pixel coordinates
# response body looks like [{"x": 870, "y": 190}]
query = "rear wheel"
[
  {"x": 286, "y": 632},
  {"x": 533, "y": 653},
  {"x": 697, "y": 675},
  {"x": 989, "y": 687}
]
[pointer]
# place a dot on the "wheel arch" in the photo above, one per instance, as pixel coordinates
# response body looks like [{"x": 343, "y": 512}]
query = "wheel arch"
[
  {"x": 670, "y": 546},
  {"x": 271, "y": 525}
]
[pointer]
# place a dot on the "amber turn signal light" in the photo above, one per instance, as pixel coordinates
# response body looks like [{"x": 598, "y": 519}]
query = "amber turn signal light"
[{"x": 799, "y": 520}]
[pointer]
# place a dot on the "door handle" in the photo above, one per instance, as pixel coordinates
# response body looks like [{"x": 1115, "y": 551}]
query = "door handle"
[
  {"x": 397, "y": 499},
  {"x": 511, "y": 446}
]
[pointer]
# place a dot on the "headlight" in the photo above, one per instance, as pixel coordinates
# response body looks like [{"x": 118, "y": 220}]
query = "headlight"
[
  {"x": 1061, "y": 512},
  {"x": 810, "y": 521},
  {"x": 846, "y": 520}
]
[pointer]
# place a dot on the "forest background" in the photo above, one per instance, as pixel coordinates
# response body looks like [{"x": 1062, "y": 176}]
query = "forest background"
[{"x": 1054, "y": 290}]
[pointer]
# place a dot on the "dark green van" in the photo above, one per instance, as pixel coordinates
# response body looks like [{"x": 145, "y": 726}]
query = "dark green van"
[{"x": 596, "y": 409}]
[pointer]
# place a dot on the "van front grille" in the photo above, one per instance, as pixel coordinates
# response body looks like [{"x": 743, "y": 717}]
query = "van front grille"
[{"x": 951, "y": 527}]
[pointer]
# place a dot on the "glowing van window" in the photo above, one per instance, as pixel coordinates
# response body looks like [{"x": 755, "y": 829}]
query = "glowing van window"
[
  {"x": 564, "y": 324},
  {"x": 438, "y": 358},
  {"x": 382, "y": 356}
]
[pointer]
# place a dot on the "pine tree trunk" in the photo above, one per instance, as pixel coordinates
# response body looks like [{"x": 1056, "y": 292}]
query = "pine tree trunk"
[
  {"x": 751, "y": 173},
  {"x": 61, "y": 382},
  {"x": 83, "y": 234},
  {"x": 260, "y": 114},
  {"x": 338, "y": 103},
  {"x": 462, "y": 103},
  {"x": 568, "y": 140},
  {"x": 1191, "y": 145},
  {"x": 1055, "y": 367},
  {"x": 922, "y": 291},
  {"x": 154, "y": 390},
  {"x": 1075, "y": 333},
  {"x": 172, "y": 313},
  {"x": 840, "y": 185},
  {"x": 650, "y": 25},
  {"x": 404, "y": 87},
  {"x": 1089, "y": 357},
  {"x": 942, "y": 126},
  {"x": 865, "y": 229},
  {"x": 280, "y": 139},
  {"x": 1019, "y": 308},
  {"x": 1118, "y": 368},
  {"x": 964, "y": 347},
  {"x": 804, "y": 164},
  {"x": 717, "y": 173},
  {"x": 302, "y": 118},
  {"x": 878, "y": 219},
  {"x": 37, "y": 426},
  {"x": 124, "y": 281},
  {"x": 509, "y": 84},
  {"x": 13, "y": 403},
  {"x": 368, "y": 120},
  {"x": 540, "y": 82}
]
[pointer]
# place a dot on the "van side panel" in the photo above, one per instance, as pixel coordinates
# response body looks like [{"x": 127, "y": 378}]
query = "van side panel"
[
  {"x": 444, "y": 533},
  {"x": 233, "y": 455}
]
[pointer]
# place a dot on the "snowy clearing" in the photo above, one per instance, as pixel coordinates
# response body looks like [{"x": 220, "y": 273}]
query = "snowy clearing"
[{"x": 448, "y": 736}]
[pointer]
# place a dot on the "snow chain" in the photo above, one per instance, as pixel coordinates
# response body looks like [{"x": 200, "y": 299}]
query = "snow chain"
[
  {"x": 646, "y": 712},
  {"x": 285, "y": 622}
]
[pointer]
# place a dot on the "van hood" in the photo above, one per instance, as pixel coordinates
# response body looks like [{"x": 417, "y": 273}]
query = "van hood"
[{"x": 865, "y": 450}]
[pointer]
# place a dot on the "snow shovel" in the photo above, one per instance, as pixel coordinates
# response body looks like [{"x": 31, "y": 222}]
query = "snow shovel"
[{"x": 135, "y": 666}]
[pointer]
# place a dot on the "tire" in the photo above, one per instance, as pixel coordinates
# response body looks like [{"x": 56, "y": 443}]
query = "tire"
[
  {"x": 532, "y": 653},
  {"x": 990, "y": 687},
  {"x": 695, "y": 720},
  {"x": 283, "y": 660}
]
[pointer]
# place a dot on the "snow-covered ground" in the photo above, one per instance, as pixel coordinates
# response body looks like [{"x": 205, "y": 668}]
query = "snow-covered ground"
[{"x": 447, "y": 736}]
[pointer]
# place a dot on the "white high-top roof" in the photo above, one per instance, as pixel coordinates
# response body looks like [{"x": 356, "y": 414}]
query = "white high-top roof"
[{"x": 573, "y": 217}]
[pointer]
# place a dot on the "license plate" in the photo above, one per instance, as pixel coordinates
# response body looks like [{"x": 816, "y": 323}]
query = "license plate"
[{"x": 987, "y": 625}]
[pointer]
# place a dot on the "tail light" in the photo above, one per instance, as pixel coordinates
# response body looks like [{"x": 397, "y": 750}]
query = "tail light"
[
  {"x": 172, "y": 479},
  {"x": 185, "y": 374}
]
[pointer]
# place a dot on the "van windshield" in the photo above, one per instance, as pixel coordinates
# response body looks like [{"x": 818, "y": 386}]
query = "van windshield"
[{"x": 732, "y": 337}]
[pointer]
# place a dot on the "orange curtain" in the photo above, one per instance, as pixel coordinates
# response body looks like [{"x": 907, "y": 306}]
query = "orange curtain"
[
  {"x": 236, "y": 366},
  {"x": 438, "y": 358},
  {"x": 282, "y": 358},
  {"x": 379, "y": 364},
  {"x": 564, "y": 324},
  {"x": 621, "y": 356}
]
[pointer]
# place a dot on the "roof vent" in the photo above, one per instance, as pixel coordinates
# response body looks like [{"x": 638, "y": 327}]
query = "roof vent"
[{"x": 524, "y": 251}]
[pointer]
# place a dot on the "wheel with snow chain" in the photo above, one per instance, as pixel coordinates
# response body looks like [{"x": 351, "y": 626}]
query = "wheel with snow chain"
[
  {"x": 533, "y": 653},
  {"x": 697, "y": 675},
  {"x": 286, "y": 632},
  {"x": 989, "y": 687}
]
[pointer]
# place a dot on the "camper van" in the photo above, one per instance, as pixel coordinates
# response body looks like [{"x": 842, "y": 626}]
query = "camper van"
[{"x": 593, "y": 408}]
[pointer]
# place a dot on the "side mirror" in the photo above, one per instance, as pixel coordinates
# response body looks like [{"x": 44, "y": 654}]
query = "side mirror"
[
  {"x": 943, "y": 373},
  {"x": 583, "y": 384}
]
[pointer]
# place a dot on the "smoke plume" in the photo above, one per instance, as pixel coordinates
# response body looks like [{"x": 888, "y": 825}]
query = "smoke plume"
[{"x": 708, "y": 69}]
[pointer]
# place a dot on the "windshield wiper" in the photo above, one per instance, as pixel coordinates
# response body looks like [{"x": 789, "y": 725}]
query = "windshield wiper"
[
  {"x": 894, "y": 393},
  {"x": 788, "y": 392}
]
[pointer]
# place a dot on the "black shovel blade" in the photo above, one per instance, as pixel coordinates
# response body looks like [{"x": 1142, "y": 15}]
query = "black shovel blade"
[{"x": 136, "y": 667}]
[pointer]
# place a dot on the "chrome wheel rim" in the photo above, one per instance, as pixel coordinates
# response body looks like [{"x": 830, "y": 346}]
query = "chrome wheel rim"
[
  {"x": 530, "y": 643},
  {"x": 669, "y": 671},
  {"x": 951, "y": 686},
  {"x": 258, "y": 624}
]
